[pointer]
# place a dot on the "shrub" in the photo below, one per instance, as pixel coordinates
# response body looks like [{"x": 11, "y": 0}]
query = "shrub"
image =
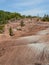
[
  {"x": 45, "y": 18},
  {"x": 1, "y": 28},
  {"x": 38, "y": 64},
  {"x": 22, "y": 24},
  {"x": 10, "y": 31}
]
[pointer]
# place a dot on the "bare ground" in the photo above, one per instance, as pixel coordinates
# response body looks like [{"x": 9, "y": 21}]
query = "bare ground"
[{"x": 30, "y": 46}]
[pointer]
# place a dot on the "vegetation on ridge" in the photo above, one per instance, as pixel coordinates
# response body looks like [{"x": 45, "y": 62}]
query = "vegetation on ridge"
[{"x": 5, "y": 16}]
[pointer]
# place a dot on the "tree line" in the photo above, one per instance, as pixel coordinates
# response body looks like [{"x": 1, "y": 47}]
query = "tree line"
[{"x": 5, "y": 16}]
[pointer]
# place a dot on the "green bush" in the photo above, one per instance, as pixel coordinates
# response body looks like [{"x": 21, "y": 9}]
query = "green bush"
[
  {"x": 10, "y": 31},
  {"x": 45, "y": 18},
  {"x": 8, "y": 16},
  {"x": 1, "y": 28},
  {"x": 22, "y": 24}
]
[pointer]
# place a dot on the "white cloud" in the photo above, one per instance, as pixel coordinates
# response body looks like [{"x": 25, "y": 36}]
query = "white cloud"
[
  {"x": 23, "y": 7},
  {"x": 37, "y": 11}
]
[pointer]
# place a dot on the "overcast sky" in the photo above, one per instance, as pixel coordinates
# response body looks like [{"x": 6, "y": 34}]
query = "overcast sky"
[{"x": 26, "y": 7}]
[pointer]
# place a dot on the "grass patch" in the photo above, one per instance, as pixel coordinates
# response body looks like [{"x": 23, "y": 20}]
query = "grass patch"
[{"x": 1, "y": 28}]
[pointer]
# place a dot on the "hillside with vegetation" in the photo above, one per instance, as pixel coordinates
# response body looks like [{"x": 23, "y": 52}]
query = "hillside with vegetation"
[
  {"x": 24, "y": 40},
  {"x": 5, "y": 16}
]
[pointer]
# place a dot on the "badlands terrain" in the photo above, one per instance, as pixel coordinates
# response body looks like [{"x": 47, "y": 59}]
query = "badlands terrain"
[{"x": 28, "y": 46}]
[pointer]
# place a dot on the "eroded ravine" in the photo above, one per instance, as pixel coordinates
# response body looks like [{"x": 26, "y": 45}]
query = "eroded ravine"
[
  {"x": 29, "y": 50},
  {"x": 24, "y": 54}
]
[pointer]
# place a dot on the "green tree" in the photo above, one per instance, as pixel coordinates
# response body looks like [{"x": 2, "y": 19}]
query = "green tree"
[
  {"x": 4, "y": 16},
  {"x": 45, "y": 18}
]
